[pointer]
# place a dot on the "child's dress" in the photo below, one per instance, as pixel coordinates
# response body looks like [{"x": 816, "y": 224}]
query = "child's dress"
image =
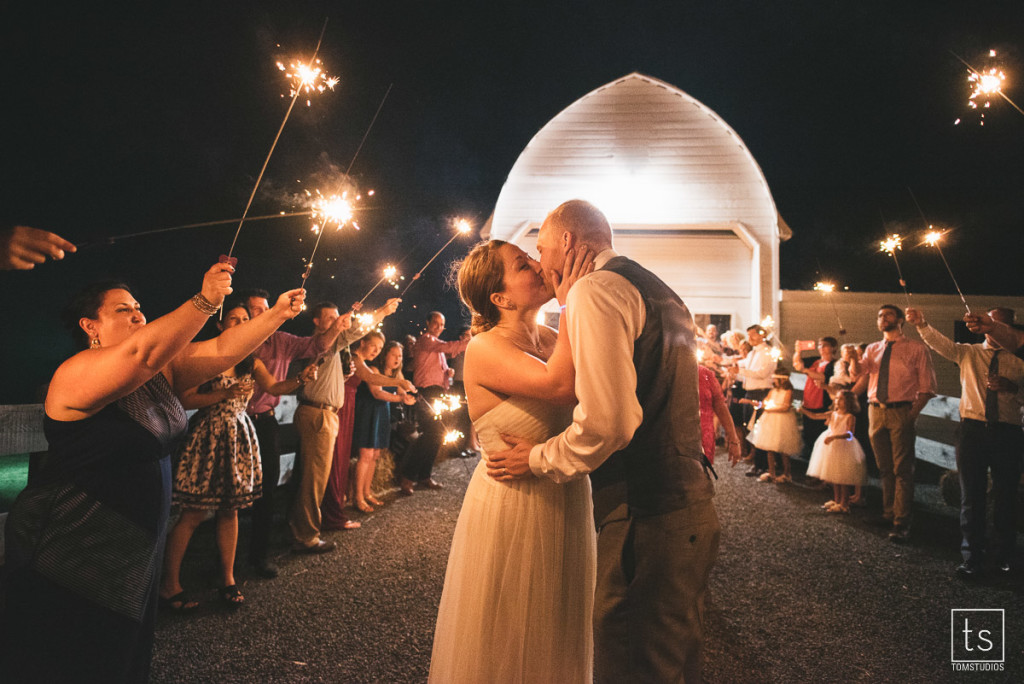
[
  {"x": 842, "y": 462},
  {"x": 777, "y": 430}
]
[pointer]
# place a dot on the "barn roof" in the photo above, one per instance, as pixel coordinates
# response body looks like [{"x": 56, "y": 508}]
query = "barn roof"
[{"x": 647, "y": 154}]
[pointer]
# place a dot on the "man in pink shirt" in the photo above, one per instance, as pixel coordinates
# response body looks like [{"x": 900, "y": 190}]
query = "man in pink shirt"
[
  {"x": 901, "y": 380},
  {"x": 432, "y": 377}
]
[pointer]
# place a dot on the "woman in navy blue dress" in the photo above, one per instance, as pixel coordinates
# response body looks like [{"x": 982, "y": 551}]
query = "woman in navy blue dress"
[{"x": 372, "y": 431}]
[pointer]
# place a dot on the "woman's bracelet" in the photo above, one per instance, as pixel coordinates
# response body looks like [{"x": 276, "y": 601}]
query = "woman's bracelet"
[{"x": 204, "y": 305}]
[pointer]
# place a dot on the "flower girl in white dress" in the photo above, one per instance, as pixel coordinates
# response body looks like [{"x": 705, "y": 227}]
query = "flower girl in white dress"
[{"x": 837, "y": 457}]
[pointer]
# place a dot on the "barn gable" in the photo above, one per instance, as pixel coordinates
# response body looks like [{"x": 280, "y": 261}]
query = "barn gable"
[{"x": 683, "y": 193}]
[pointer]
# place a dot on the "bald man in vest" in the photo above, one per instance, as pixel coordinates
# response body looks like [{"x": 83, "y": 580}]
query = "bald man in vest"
[{"x": 636, "y": 432}]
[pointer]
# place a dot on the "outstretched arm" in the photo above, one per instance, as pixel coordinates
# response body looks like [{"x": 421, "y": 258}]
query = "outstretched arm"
[
  {"x": 93, "y": 378},
  {"x": 201, "y": 361},
  {"x": 21, "y": 248}
]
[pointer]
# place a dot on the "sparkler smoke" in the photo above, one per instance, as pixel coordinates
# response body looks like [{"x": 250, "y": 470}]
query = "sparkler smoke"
[
  {"x": 462, "y": 226},
  {"x": 313, "y": 60},
  {"x": 933, "y": 238}
]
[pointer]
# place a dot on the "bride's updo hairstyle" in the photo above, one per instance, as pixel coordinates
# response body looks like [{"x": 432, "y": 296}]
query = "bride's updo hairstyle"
[{"x": 481, "y": 274}]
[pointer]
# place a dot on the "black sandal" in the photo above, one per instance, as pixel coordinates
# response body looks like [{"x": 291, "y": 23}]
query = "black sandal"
[
  {"x": 231, "y": 596},
  {"x": 180, "y": 603}
]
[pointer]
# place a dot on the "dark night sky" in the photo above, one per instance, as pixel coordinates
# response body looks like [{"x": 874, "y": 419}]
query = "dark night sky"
[{"x": 121, "y": 120}]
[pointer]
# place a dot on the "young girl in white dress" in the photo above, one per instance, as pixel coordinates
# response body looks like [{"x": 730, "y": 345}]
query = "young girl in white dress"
[
  {"x": 776, "y": 430},
  {"x": 838, "y": 457},
  {"x": 518, "y": 595}
]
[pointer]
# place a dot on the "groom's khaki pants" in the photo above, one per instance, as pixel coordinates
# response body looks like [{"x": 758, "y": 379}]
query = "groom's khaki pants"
[{"x": 649, "y": 605}]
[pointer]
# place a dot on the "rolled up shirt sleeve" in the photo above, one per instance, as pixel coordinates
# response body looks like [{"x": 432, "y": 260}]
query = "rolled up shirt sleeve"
[{"x": 605, "y": 315}]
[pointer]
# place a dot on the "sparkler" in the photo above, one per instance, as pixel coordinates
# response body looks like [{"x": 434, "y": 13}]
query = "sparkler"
[
  {"x": 390, "y": 276},
  {"x": 932, "y": 238},
  {"x": 462, "y": 226},
  {"x": 827, "y": 289},
  {"x": 336, "y": 210},
  {"x": 307, "y": 78},
  {"x": 445, "y": 403},
  {"x": 204, "y": 224},
  {"x": 985, "y": 84},
  {"x": 890, "y": 246},
  {"x": 296, "y": 91},
  {"x": 452, "y": 436}
]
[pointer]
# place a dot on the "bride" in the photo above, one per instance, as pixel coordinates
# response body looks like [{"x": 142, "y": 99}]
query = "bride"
[{"x": 518, "y": 593}]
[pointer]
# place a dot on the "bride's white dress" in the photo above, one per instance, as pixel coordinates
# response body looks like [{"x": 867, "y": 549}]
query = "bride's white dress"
[{"x": 519, "y": 591}]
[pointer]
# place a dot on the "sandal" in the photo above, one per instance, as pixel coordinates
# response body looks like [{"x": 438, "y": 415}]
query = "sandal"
[
  {"x": 375, "y": 501},
  {"x": 766, "y": 477},
  {"x": 364, "y": 507},
  {"x": 179, "y": 603},
  {"x": 783, "y": 479},
  {"x": 231, "y": 596},
  {"x": 828, "y": 504}
]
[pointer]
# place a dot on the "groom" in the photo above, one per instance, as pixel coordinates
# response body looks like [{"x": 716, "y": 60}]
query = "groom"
[{"x": 636, "y": 431}]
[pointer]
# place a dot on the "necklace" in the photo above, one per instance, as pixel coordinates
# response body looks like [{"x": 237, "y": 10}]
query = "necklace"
[{"x": 522, "y": 339}]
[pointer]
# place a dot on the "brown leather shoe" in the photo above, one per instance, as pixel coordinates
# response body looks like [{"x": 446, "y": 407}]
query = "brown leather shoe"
[
  {"x": 429, "y": 483},
  {"x": 405, "y": 487}
]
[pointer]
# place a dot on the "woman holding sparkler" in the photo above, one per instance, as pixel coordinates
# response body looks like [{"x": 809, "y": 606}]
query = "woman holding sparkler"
[
  {"x": 85, "y": 541},
  {"x": 371, "y": 433},
  {"x": 518, "y": 593}
]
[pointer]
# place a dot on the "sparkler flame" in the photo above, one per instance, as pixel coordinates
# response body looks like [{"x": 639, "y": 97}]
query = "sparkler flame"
[
  {"x": 775, "y": 353},
  {"x": 825, "y": 287},
  {"x": 452, "y": 436},
  {"x": 391, "y": 276},
  {"x": 463, "y": 226},
  {"x": 335, "y": 209},
  {"x": 307, "y": 78},
  {"x": 768, "y": 323},
  {"x": 932, "y": 237},
  {"x": 364, "y": 321},
  {"x": 891, "y": 244}
]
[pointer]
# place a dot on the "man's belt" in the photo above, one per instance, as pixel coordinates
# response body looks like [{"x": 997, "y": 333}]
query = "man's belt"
[
  {"x": 322, "y": 407},
  {"x": 269, "y": 413},
  {"x": 891, "y": 404}
]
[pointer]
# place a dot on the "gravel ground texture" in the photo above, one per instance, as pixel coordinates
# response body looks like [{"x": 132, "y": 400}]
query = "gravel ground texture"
[{"x": 797, "y": 595}]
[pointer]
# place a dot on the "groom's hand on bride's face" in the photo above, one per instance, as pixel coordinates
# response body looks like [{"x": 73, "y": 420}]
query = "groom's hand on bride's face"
[{"x": 512, "y": 463}]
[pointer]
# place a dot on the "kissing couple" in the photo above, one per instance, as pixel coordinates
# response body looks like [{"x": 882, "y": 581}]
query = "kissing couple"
[{"x": 554, "y": 575}]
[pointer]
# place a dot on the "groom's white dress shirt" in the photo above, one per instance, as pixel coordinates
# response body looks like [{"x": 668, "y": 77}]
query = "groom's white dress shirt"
[{"x": 605, "y": 315}]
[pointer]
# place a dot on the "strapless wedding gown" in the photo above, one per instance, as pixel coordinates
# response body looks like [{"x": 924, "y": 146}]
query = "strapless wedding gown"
[{"x": 519, "y": 590}]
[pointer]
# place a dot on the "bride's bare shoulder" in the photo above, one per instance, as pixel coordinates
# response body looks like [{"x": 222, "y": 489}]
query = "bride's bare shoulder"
[{"x": 488, "y": 342}]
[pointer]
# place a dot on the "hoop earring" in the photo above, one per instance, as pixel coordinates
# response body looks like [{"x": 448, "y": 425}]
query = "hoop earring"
[{"x": 94, "y": 343}]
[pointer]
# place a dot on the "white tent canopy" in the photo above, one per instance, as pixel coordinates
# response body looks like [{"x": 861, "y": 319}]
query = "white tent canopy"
[{"x": 683, "y": 193}]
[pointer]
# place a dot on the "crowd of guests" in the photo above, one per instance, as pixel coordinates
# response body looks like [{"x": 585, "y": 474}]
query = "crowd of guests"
[
  {"x": 859, "y": 412},
  {"x": 90, "y": 552},
  {"x": 90, "y": 548}
]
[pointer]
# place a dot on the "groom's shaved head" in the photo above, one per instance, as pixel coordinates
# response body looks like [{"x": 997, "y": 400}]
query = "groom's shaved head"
[
  {"x": 583, "y": 220},
  {"x": 573, "y": 223}
]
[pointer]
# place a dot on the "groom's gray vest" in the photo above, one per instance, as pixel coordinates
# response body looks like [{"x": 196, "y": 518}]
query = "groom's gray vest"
[{"x": 662, "y": 468}]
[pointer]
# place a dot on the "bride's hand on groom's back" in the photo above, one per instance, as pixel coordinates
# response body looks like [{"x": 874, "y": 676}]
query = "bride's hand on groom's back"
[{"x": 579, "y": 261}]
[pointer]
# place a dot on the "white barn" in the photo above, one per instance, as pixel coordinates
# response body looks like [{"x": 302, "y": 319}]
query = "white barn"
[{"x": 683, "y": 194}]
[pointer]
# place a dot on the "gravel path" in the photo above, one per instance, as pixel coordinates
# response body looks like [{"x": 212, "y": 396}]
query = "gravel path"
[{"x": 796, "y": 596}]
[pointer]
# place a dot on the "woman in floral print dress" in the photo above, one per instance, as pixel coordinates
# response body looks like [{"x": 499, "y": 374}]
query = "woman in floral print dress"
[{"x": 219, "y": 466}]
